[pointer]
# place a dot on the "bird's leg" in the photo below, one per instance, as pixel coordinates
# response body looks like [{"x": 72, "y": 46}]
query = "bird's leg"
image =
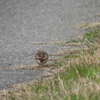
[
  {"x": 47, "y": 65},
  {"x": 40, "y": 65}
]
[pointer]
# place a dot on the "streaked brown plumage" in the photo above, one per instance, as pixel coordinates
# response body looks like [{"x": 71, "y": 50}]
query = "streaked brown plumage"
[{"x": 41, "y": 57}]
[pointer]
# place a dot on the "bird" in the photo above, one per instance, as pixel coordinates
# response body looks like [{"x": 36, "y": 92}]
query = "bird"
[{"x": 41, "y": 57}]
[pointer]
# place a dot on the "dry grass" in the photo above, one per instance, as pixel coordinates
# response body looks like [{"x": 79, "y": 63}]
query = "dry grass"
[
  {"x": 88, "y": 25},
  {"x": 73, "y": 81},
  {"x": 97, "y": 15},
  {"x": 75, "y": 77}
]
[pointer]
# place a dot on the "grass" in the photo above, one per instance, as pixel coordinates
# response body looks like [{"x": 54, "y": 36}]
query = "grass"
[
  {"x": 79, "y": 78},
  {"x": 71, "y": 56},
  {"x": 93, "y": 36}
]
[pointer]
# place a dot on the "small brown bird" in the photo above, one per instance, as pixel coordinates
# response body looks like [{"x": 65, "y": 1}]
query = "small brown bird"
[{"x": 41, "y": 57}]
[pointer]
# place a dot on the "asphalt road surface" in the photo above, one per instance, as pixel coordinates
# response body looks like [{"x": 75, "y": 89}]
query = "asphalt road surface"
[{"x": 25, "y": 21}]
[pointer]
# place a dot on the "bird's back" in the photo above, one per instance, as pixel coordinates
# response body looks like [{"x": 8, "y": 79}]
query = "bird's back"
[{"x": 41, "y": 57}]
